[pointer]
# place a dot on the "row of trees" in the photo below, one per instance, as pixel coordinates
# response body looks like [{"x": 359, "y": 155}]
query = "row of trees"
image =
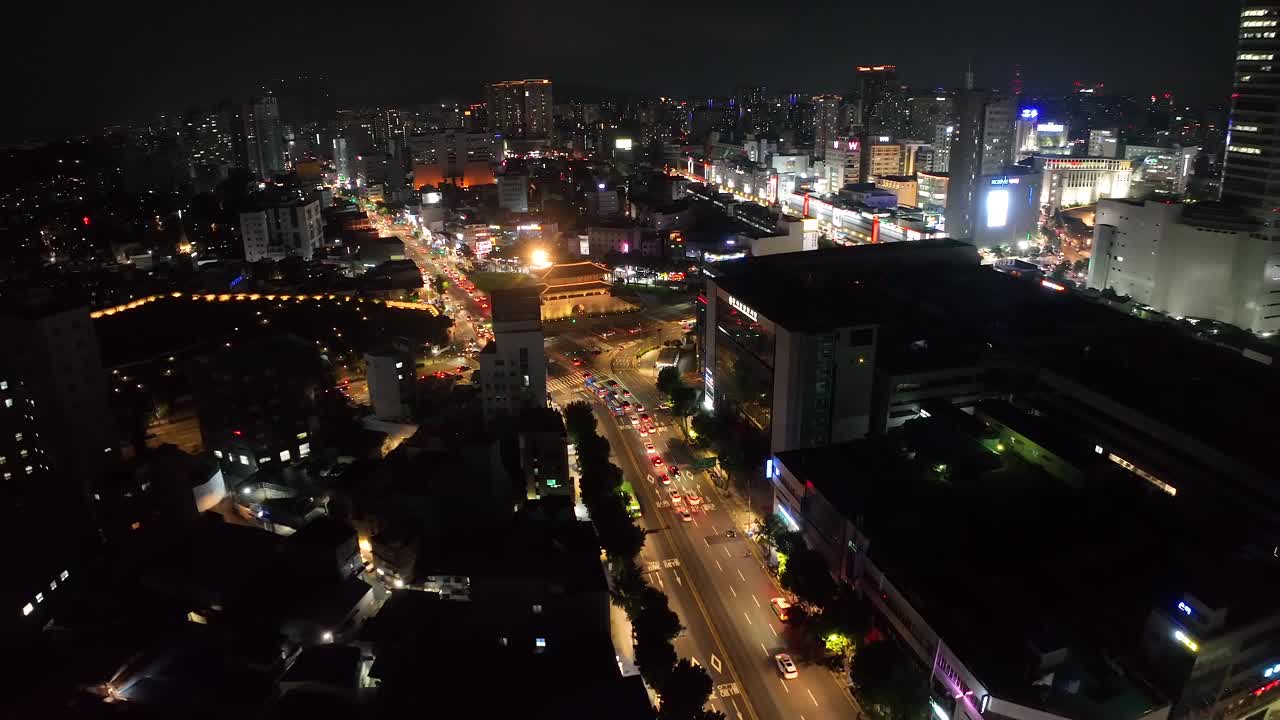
[
  {"x": 684, "y": 399},
  {"x": 889, "y": 683},
  {"x": 683, "y": 686}
]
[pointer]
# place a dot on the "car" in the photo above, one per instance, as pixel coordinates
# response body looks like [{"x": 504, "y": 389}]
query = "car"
[
  {"x": 649, "y": 448},
  {"x": 643, "y": 416},
  {"x": 626, "y": 392},
  {"x": 685, "y": 515},
  {"x": 462, "y": 368},
  {"x": 613, "y": 383},
  {"x": 665, "y": 480},
  {"x": 675, "y": 471},
  {"x": 639, "y": 408},
  {"x": 675, "y": 497},
  {"x": 577, "y": 362},
  {"x": 644, "y": 431},
  {"x": 657, "y": 461},
  {"x": 694, "y": 498},
  {"x": 786, "y": 666},
  {"x": 624, "y": 404},
  {"x": 781, "y": 607}
]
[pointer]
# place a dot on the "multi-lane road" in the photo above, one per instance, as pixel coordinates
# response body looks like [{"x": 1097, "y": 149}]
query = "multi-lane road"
[{"x": 716, "y": 583}]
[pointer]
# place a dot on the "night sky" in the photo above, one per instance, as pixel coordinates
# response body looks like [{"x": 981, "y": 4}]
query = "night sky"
[{"x": 76, "y": 66}]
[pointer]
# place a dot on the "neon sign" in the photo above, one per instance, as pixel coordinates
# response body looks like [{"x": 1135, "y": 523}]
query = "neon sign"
[
  {"x": 1005, "y": 181},
  {"x": 1185, "y": 608},
  {"x": 1030, "y": 114},
  {"x": 1050, "y": 127}
]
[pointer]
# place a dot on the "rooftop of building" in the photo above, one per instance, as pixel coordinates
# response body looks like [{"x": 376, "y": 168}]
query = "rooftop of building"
[
  {"x": 1017, "y": 575},
  {"x": 567, "y": 271},
  {"x": 898, "y": 178}
]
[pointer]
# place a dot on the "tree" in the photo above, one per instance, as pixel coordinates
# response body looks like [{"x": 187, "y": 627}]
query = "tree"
[
  {"x": 619, "y": 535},
  {"x": 889, "y": 683},
  {"x": 1060, "y": 271},
  {"x": 668, "y": 380},
  {"x": 684, "y": 691},
  {"x": 805, "y": 573},
  {"x": 579, "y": 420},
  {"x": 684, "y": 401},
  {"x": 1080, "y": 266},
  {"x": 439, "y": 283}
]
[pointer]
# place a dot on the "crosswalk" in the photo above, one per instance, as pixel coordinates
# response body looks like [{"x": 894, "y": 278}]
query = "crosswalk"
[{"x": 564, "y": 383}]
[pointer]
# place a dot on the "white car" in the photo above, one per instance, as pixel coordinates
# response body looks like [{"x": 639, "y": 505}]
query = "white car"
[
  {"x": 675, "y": 497},
  {"x": 649, "y": 448},
  {"x": 694, "y": 498},
  {"x": 685, "y": 515},
  {"x": 786, "y": 666}
]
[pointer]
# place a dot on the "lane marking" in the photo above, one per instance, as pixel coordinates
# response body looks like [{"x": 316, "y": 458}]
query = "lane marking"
[
  {"x": 719, "y": 566},
  {"x": 735, "y": 592},
  {"x": 811, "y": 697},
  {"x": 713, "y": 525},
  {"x": 744, "y": 577},
  {"x": 784, "y": 685},
  {"x": 765, "y": 649},
  {"x": 726, "y": 552},
  {"x": 677, "y": 576},
  {"x": 748, "y": 617},
  {"x": 708, "y": 542},
  {"x": 753, "y": 597},
  {"x": 660, "y": 583},
  {"x": 715, "y": 663},
  {"x": 775, "y": 632}
]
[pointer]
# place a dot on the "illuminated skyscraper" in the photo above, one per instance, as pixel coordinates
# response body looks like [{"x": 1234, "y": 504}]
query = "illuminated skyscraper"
[
  {"x": 982, "y": 146},
  {"x": 262, "y": 137},
  {"x": 1253, "y": 146},
  {"x": 520, "y": 109}
]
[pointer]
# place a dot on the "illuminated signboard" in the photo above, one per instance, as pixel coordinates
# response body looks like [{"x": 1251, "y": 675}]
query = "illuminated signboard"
[
  {"x": 1005, "y": 181},
  {"x": 997, "y": 208},
  {"x": 622, "y": 144},
  {"x": 1050, "y": 127},
  {"x": 740, "y": 307},
  {"x": 1184, "y": 608},
  {"x": 1030, "y": 114}
]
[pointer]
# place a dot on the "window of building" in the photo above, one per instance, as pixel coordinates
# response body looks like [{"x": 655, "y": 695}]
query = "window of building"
[
  {"x": 4, "y": 384},
  {"x": 302, "y": 436},
  {"x": 304, "y": 450},
  {"x": 17, "y": 437},
  {"x": 28, "y": 609},
  {"x": 217, "y": 454},
  {"x": 540, "y": 642},
  {"x": 244, "y": 459},
  {"x": 29, "y": 469},
  {"x": 8, "y": 402},
  {"x": 64, "y": 575},
  {"x": 39, "y": 597},
  {"x": 285, "y": 456}
]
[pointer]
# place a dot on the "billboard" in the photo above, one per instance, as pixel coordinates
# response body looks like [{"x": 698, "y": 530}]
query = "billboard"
[{"x": 998, "y": 208}]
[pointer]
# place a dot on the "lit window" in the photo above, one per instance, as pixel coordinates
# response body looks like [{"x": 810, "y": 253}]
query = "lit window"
[
  {"x": 1244, "y": 128},
  {"x": 1245, "y": 149},
  {"x": 23, "y": 453},
  {"x": 28, "y": 609},
  {"x": 304, "y": 450},
  {"x": 29, "y": 469},
  {"x": 540, "y": 642},
  {"x": 264, "y": 460},
  {"x": 537, "y": 609},
  {"x": 3, "y": 459},
  {"x": 8, "y": 402},
  {"x": 244, "y": 459},
  {"x": 285, "y": 456},
  {"x": 4, "y": 384},
  {"x": 17, "y": 437},
  {"x": 399, "y": 365},
  {"x": 39, "y": 597},
  {"x": 217, "y": 454},
  {"x": 53, "y": 584},
  {"x": 8, "y": 475},
  {"x": 64, "y": 575},
  {"x": 302, "y": 436}
]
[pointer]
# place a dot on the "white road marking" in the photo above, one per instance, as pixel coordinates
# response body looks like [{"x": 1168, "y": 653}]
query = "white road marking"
[
  {"x": 726, "y": 552},
  {"x": 714, "y": 530},
  {"x": 784, "y": 685},
  {"x": 753, "y": 597},
  {"x": 677, "y": 576},
  {"x": 735, "y": 592},
  {"x": 748, "y": 617},
  {"x": 811, "y": 697},
  {"x": 765, "y": 649},
  {"x": 660, "y": 583},
  {"x": 708, "y": 542},
  {"x": 719, "y": 566},
  {"x": 775, "y": 632},
  {"x": 744, "y": 577}
]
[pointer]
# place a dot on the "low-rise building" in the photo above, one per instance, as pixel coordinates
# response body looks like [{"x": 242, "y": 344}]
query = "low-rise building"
[
  {"x": 391, "y": 378},
  {"x": 282, "y": 228}
]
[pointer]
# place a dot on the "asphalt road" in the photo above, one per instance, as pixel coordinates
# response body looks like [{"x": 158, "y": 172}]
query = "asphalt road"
[{"x": 717, "y": 585}]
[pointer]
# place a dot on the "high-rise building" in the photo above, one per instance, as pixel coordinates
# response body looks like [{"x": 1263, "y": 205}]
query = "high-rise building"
[
  {"x": 844, "y": 162},
  {"x": 1104, "y": 143},
  {"x": 885, "y": 159},
  {"x": 263, "y": 137},
  {"x": 513, "y": 367},
  {"x": 391, "y": 378},
  {"x": 452, "y": 157},
  {"x": 943, "y": 137},
  {"x": 1160, "y": 171},
  {"x": 829, "y": 122},
  {"x": 982, "y": 147},
  {"x": 520, "y": 109},
  {"x": 929, "y": 111},
  {"x": 1082, "y": 181},
  {"x": 282, "y": 228},
  {"x": 1253, "y": 152}
]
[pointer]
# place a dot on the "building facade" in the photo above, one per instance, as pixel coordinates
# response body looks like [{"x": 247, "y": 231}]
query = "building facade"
[
  {"x": 282, "y": 229},
  {"x": 513, "y": 366},
  {"x": 982, "y": 148},
  {"x": 391, "y": 378},
  {"x": 1068, "y": 182},
  {"x": 1253, "y": 137},
  {"x": 520, "y": 109},
  {"x": 453, "y": 157}
]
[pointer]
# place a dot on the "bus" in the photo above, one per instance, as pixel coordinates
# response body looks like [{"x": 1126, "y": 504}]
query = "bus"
[
  {"x": 633, "y": 502},
  {"x": 614, "y": 406}
]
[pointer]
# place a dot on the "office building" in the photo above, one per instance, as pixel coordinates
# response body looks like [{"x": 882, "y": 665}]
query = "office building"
[
  {"x": 280, "y": 228},
  {"x": 943, "y": 137},
  {"x": 932, "y": 191},
  {"x": 1104, "y": 143},
  {"x": 1068, "y": 182},
  {"x": 830, "y": 121},
  {"x": 1161, "y": 172},
  {"x": 797, "y": 361},
  {"x": 520, "y": 109},
  {"x": 513, "y": 192},
  {"x": 263, "y": 137},
  {"x": 53, "y": 349},
  {"x": 930, "y": 111},
  {"x": 342, "y": 160},
  {"x": 513, "y": 367},
  {"x": 259, "y": 402},
  {"x": 843, "y": 163},
  {"x": 544, "y": 455},
  {"x": 1199, "y": 261},
  {"x": 1253, "y": 156},
  {"x": 885, "y": 159},
  {"x": 982, "y": 148},
  {"x": 453, "y": 157},
  {"x": 1006, "y": 209},
  {"x": 916, "y": 155},
  {"x": 391, "y": 376},
  {"x": 903, "y": 186}
]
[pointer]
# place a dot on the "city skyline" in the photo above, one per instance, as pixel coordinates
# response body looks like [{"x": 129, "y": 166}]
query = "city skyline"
[{"x": 188, "y": 61}]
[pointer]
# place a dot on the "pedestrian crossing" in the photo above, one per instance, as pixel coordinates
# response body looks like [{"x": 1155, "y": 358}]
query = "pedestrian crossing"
[{"x": 564, "y": 383}]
